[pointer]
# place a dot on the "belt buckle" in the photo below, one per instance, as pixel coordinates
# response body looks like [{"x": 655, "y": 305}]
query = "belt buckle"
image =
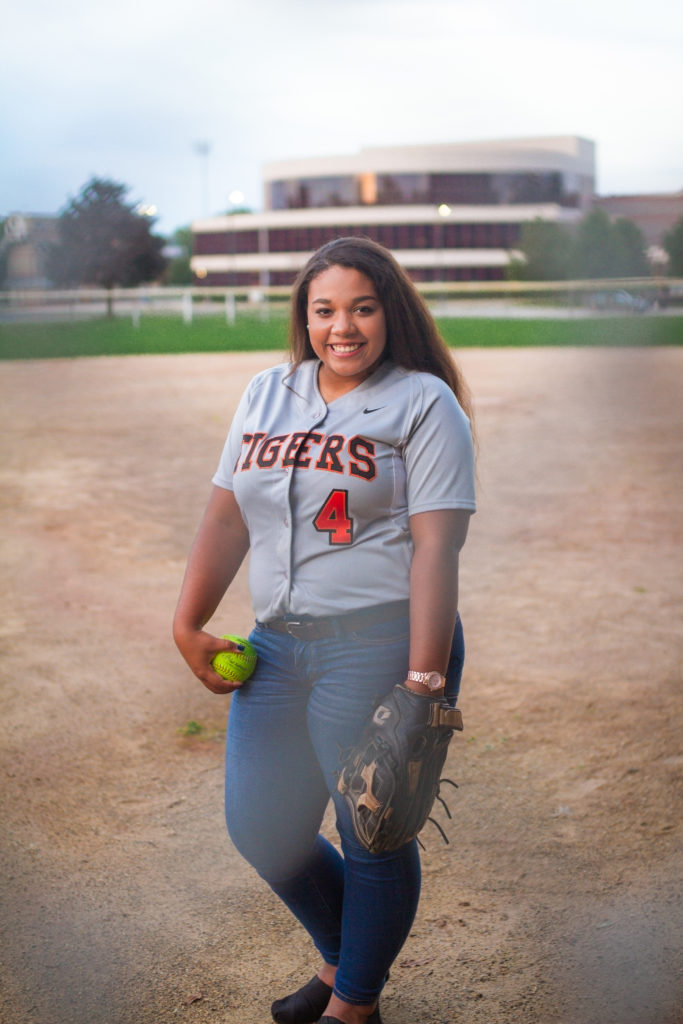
[{"x": 296, "y": 624}]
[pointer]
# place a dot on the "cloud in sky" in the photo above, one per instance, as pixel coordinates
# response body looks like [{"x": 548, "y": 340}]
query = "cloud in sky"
[{"x": 126, "y": 92}]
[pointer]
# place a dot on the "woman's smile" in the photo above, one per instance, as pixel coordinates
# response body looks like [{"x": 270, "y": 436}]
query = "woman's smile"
[
  {"x": 346, "y": 327},
  {"x": 341, "y": 348}
]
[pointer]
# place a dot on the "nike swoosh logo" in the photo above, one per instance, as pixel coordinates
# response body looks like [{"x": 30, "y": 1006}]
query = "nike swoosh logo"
[{"x": 376, "y": 409}]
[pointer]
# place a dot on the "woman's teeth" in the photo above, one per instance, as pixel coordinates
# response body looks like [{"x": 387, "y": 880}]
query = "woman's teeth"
[{"x": 345, "y": 348}]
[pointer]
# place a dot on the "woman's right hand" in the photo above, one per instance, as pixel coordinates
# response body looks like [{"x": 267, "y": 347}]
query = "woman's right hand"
[
  {"x": 198, "y": 648},
  {"x": 217, "y": 553}
]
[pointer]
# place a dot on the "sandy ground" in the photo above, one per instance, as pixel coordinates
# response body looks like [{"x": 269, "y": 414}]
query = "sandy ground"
[{"x": 559, "y": 896}]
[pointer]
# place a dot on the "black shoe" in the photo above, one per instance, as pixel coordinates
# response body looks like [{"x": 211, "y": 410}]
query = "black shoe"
[
  {"x": 305, "y": 1005},
  {"x": 374, "y": 1018}
]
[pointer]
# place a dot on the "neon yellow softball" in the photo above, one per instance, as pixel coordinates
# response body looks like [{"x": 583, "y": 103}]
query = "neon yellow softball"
[{"x": 235, "y": 665}]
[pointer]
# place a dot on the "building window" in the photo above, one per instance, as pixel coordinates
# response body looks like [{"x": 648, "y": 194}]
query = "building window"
[
  {"x": 443, "y": 235},
  {"x": 245, "y": 241},
  {"x": 473, "y": 188},
  {"x": 210, "y": 243},
  {"x": 308, "y": 193},
  {"x": 401, "y": 189}
]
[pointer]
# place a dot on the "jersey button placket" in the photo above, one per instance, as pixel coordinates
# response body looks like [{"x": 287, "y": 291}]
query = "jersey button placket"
[{"x": 287, "y": 533}]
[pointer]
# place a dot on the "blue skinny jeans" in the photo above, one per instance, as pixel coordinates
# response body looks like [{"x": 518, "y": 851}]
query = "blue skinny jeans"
[{"x": 289, "y": 724}]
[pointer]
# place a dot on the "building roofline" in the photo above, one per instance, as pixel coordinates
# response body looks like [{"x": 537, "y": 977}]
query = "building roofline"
[
  {"x": 650, "y": 196},
  {"x": 561, "y": 151}
]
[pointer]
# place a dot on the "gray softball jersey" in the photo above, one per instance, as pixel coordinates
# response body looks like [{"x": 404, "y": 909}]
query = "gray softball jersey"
[{"x": 326, "y": 491}]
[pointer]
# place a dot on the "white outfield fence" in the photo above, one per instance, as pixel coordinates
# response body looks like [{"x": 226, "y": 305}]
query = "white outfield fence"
[{"x": 462, "y": 298}]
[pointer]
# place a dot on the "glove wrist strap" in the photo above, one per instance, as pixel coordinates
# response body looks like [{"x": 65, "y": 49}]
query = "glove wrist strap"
[{"x": 440, "y": 713}]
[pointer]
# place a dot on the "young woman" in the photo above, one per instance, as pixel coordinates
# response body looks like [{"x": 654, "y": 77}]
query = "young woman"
[{"x": 348, "y": 475}]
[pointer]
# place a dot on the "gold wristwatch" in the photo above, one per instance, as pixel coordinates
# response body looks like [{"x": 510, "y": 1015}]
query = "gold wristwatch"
[{"x": 432, "y": 680}]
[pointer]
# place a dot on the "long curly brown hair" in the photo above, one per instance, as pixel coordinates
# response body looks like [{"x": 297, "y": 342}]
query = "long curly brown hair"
[{"x": 413, "y": 340}]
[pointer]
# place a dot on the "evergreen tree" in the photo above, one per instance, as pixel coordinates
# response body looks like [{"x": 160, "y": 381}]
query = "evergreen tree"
[
  {"x": 547, "y": 249},
  {"x": 178, "y": 271},
  {"x": 673, "y": 243},
  {"x": 596, "y": 248},
  {"x": 104, "y": 241},
  {"x": 593, "y": 246},
  {"x": 628, "y": 248}
]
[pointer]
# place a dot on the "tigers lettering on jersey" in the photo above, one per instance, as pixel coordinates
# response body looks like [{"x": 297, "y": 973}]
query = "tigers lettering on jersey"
[{"x": 332, "y": 453}]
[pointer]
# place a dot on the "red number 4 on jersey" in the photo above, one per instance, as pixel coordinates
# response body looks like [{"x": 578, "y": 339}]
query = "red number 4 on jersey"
[{"x": 333, "y": 518}]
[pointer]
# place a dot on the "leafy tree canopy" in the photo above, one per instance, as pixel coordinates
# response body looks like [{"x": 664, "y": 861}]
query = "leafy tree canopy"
[
  {"x": 628, "y": 249},
  {"x": 673, "y": 243},
  {"x": 178, "y": 270},
  {"x": 4, "y": 251},
  {"x": 547, "y": 252},
  {"x": 104, "y": 241},
  {"x": 596, "y": 247}
]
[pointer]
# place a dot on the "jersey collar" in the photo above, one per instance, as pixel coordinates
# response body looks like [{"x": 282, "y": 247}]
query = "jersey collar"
[{"x": 303, "y": 381}]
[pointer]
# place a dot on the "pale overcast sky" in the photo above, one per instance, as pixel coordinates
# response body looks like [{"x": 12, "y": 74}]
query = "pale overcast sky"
[{"x": 127, "y": 91}]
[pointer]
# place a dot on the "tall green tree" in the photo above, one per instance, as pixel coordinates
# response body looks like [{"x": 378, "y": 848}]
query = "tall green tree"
[
  {"x": 606, "y": 248},
  {"x": 629, "y": 249},
  {"x": 596, "y": 247},
  {"x": 4, "y": 252},
  {"x": 178, "y": 271},
  {"x": 105, "y": 241},
  {"x": 547, "y": 252},
  {"x": 673, "y": 244},
  {"x": 593, "y": 246}
]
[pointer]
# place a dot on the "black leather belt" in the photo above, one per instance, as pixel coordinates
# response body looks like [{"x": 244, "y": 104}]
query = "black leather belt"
[{"x": 310, "y": 627}]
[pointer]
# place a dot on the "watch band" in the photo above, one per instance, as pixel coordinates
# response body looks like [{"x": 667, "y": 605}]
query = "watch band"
[
  {"x": 418, "y": 677},
  {"x": 427, "y": 679}
]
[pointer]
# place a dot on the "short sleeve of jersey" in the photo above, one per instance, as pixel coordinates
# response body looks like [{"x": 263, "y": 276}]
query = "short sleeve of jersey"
[
  {"x": 438, "y": 452},
  {"x": 233, "y": 444}
]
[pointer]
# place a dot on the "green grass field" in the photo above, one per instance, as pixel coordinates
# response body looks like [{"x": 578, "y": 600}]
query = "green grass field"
[{"x": 164, "y": 335}]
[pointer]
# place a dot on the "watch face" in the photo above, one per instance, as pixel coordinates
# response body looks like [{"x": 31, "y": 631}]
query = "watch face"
[{"x": 435, "y": 681}]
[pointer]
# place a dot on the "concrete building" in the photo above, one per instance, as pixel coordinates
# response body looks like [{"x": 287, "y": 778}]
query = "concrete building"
[
  {"x": 24, "y": 250},
  {"x": 449, "y": 212},
  {"x": 655, "y": 214}
]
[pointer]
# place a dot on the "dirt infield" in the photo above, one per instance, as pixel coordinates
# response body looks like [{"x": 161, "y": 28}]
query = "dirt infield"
[{"x": 559, "y": 897}]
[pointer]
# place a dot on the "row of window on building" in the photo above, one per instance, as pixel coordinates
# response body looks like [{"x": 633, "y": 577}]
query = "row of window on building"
[
  {"x": 442, "y": 235},
  {"x": 285, "y": 278},
  {"x": 490, "y": 189}
]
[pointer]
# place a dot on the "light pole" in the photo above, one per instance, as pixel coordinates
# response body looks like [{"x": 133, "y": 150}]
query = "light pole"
[
  {"x": 443, "y": 211},
  {"x": 203, "y": 150}
]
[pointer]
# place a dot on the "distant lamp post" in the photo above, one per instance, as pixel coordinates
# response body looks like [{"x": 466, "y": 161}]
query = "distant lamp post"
[
  {"x": 236, "y": 198},
  {"x": 444, "y": 211},
  {"x": 203, "y": 150}
]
